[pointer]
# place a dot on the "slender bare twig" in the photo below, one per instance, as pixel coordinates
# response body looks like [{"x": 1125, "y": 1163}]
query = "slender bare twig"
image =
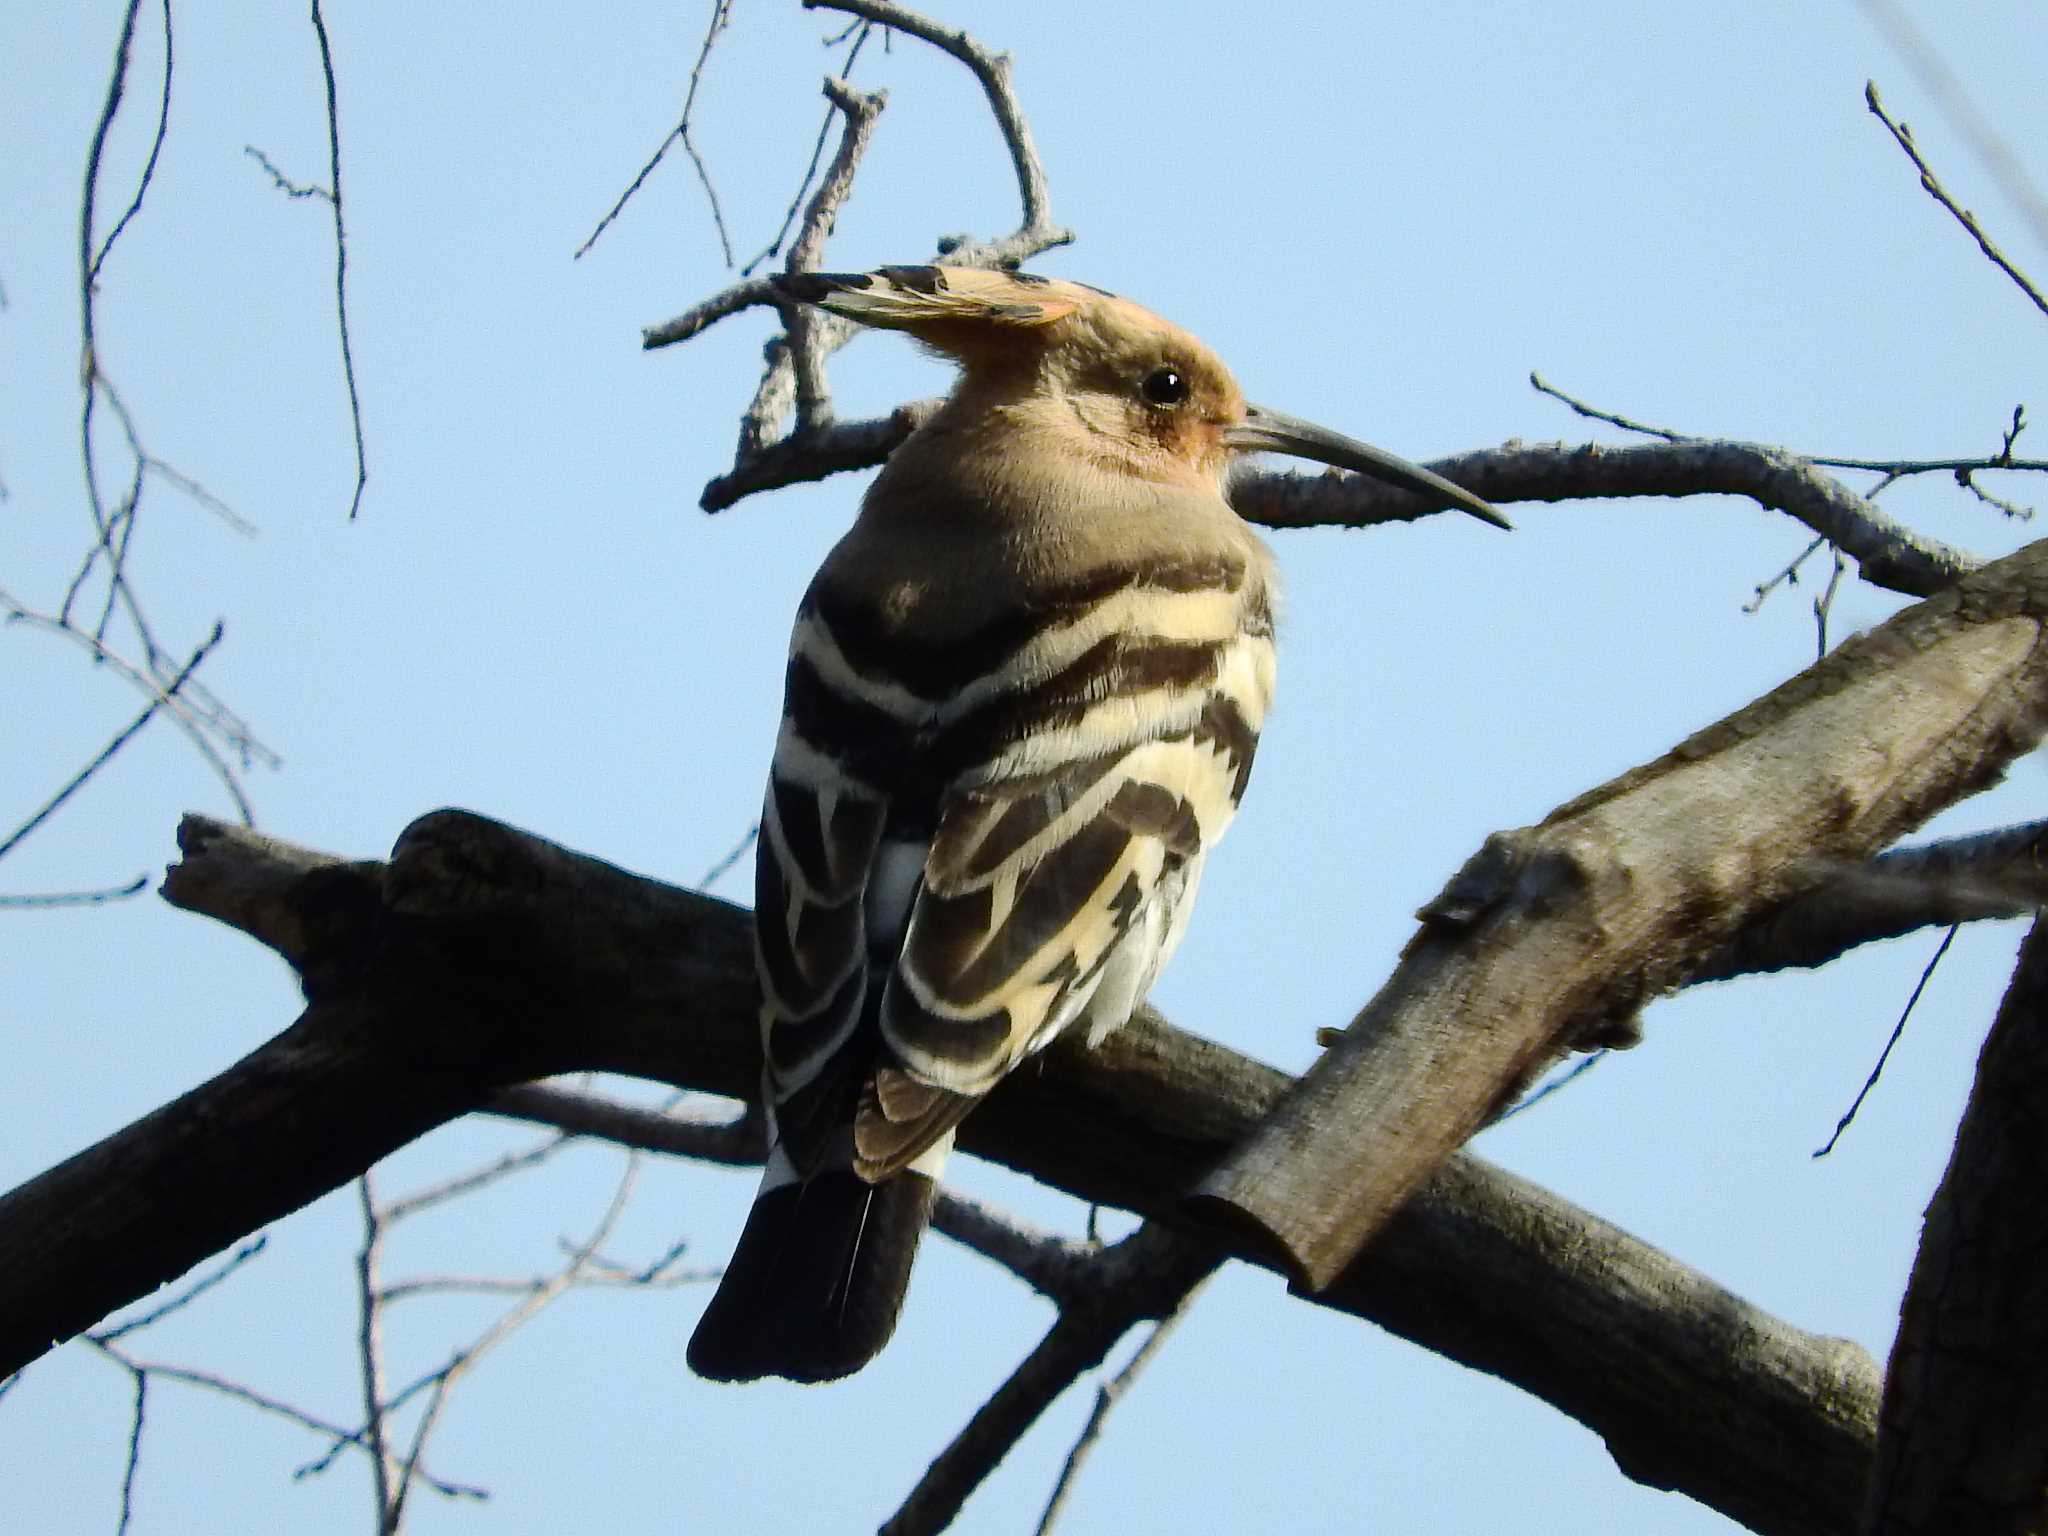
[
  {"x": 471, "y": 1180},
  {"x": 195, "y": 722},
  {"x": 794, "y": 378},
  {"x": 96, "y": 260},
  {"x": 297, "y": 190},
  {"x": 348, "y": 356},
  {"x": 370, "y": 1358},
  {"x": 1824, "y": 605},
  {"x": 186, "y": 1295},
  {"x": 796, "y": 365},
  {"x": 1954, "y": 100},
  {"x": 133, "y": 1464},
  {"x": 539, "y": 1294},
  {"x": 859, "y": 31},
  {"x": 1147, "y": 1275},
  {"x": 1892, "y": 469},
  {"x": 340, "y": 1438},
  {"x": 721, "y": 17},
  {"x": 1934, "y": 189},
  {"x": 94, "y": 898},
  {"x": 992, "y": 70},
  {"x": 738, "y": 851},
  {"x": 1593, "y": 413},
  {"x": 1885, "y": 1055},
  {"x": 1788, "y": 577},
  {"x": 105, "y": 755},
  {"x": 1107, "y": 1396}
]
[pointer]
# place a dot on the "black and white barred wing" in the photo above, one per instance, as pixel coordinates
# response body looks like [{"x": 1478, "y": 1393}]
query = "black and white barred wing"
[
  {"x": 1050, "y": 900},
  {"x": 821, "y": 832}
]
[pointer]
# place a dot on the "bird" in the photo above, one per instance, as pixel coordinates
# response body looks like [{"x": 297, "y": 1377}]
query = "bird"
[{"x": 1022, "y": 699}]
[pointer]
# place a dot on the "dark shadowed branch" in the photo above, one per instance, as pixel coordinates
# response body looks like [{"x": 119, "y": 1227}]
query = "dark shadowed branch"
[
  {"x": 1963, "y": 1439},
  {"x": 479, "y": 958}
]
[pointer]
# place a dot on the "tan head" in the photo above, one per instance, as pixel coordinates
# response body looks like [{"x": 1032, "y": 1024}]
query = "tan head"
[{"x": 1135, "y": 392}]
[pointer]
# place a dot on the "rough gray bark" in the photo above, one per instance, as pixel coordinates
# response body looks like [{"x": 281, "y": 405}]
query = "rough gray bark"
[
  {"x": 480, "y": 956},
  {"x": 1963, "y": 1440},
  {"x": 1551, "y": 933}
]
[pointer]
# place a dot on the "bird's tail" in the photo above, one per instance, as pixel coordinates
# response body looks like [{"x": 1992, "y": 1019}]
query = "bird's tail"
[{"x": 817, "y": 1279}]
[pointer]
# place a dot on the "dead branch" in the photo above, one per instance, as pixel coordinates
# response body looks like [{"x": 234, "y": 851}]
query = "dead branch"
[
  {"x": 1931, "y": 184},
  {"x": 479, "y": 957},
  {"x": 1618, "y": 895}
]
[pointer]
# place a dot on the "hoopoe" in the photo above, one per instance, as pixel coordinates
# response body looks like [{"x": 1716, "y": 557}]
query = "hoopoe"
[{"x": 1021, "y": 704}]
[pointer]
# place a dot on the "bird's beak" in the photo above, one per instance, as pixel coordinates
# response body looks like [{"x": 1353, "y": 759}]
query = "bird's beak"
[{"x": 1270, "y": 431}]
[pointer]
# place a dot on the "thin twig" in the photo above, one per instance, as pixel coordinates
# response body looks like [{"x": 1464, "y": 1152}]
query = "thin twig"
[
  {"x": 1885, "y": 1055},
  {"x": 992, "y": 70},
  {"x": 1544, "y": 1090},
  {"x": 1825, "y": 603},
  {"x": 718, "y": 871},
  {"x": 1593, "y": 413},
  {"x": 1954, "y": 100},
  {"x": 859, "y": 31},
  {"x": 195, "y": 723},
  {"x": 370, "y": 1358},
  {"x": 1147, "y": 1275},
  {"x": 95, "y": 898},
  {"x": 1788, "y": 577},
  {"x": 284, "y": 183},
  {"x": 1934, "y": 189},
  {"x": 1107, "y": 1396},
  {"x": 348, "y": 356},
  {"x": 440, "y": 1193},
  {"x": 721, "y": 17},
  {"x": 122, "y": 737},
  {"x": 133, "y": 1464},
  {"x": 185, "y": 1297},
  {"x": 94, "y": 261},
  {"x": 1892, "y": 469}
]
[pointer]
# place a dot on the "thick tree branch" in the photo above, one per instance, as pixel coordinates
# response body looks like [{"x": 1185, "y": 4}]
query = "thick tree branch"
[
  {"x": 1998, "y": 874},
  {"x": 480, "y": 957},
  {"x": 1553, "y": 931},
  {"x": 1963, "y": 1442}
]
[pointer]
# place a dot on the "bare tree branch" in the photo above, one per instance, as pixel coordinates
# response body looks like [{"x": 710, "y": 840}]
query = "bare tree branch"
[
  {"x": 1037, "y": 233},
  {"x": 480, "y": 956},
  {"x": 721, "y": 17},
  {"x": 1953, "y": 97},
  {"x": 1617, "y": 896},
  {"x": 1931, "y": 184},
  {"x": 2000, "y": 874},
  {"x": 348, "y": 356},
  {"x": 1147, "y": 1275},
  {"x": 1893, "y": 469},
  {"x": 1107, "y": 1396}
]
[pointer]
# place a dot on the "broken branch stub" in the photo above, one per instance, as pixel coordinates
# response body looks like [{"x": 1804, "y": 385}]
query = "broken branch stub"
[{"x": 1618, "y": 895}]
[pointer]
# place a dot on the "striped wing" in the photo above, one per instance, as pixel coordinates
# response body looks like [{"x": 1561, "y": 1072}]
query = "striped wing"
[
  {"x": 967, "y": 851},
  {"x": 1047, "y": 903}
]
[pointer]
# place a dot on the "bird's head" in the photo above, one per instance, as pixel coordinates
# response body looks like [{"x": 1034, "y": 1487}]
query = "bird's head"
[{"x": 1134, "y": 392}]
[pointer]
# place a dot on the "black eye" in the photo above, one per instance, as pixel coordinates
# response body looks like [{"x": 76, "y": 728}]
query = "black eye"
[{"x": 1164, "y": 385}]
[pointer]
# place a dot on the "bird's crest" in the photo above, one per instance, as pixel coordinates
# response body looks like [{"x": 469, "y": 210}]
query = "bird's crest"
[{"x": 931, "y": 301}]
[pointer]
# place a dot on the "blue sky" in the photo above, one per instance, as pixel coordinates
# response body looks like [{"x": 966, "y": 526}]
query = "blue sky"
[{"x": 1384, "y": 218}]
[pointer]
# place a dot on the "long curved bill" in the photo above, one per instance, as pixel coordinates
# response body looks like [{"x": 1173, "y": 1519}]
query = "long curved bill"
[{"x": 1274, "y": 432}]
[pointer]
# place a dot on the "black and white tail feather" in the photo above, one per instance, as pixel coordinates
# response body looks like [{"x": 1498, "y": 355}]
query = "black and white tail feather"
[{"x": 1022, "y": 700}]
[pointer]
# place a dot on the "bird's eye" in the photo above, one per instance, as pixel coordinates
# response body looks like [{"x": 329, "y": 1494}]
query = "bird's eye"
[{"x": 1164, "y": 385}]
